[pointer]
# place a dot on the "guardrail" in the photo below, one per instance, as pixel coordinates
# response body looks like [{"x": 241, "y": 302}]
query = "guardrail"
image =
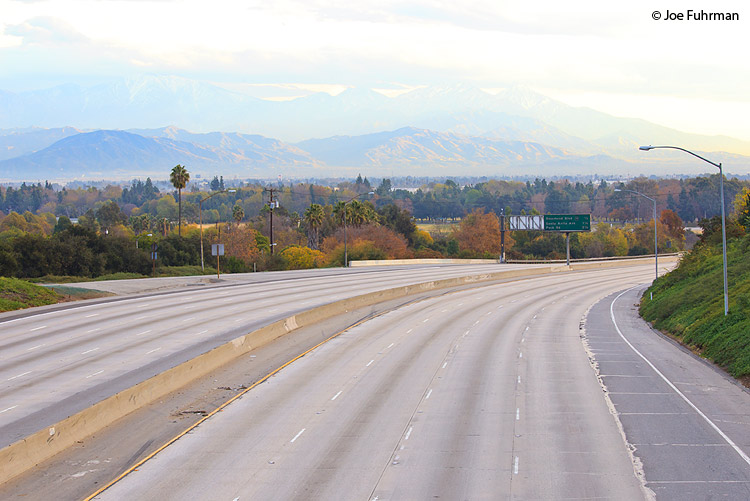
[
  {"x": 589, "y": 259},
  {"x": 403, "y": 262}
]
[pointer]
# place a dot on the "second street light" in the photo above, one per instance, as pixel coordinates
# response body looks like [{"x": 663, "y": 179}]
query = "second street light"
[
  {"x": 346, "y": 253},
  {"x": 723, "y": 215},
  {"x": 201, "y": 219},
  {"x": 656, "y": 242}
]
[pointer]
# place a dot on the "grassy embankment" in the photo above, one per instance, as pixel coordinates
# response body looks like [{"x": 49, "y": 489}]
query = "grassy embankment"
[
  {"x": 688, "y": 304},
  {"x": 16, "y": 294},
  {"x": 164, "y": 271}
]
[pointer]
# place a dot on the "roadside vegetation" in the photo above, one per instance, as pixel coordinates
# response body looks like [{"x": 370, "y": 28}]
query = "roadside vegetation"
[
  {"x": 16, "y": 294},
  {"x": 58, "y": 235},
  {"x": 688, "y": 303}
]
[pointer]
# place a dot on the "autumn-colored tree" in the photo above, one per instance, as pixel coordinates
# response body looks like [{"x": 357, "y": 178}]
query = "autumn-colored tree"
[
  {"x": 240, "y": 242},
  {"x": 673, "y": 225},
  {"x": 392, "y": 245},
  {"x": 742, "y": 208},
  {"x": 621, "y": 214},
  {"x": 479, "y": 233},
  {"x": 14, "y": 220},
  {"x": 299, "y": 258},
  {"x": 605, "y": 241}
]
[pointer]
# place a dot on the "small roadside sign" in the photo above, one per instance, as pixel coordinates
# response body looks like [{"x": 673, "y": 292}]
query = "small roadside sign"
[{"x": 217, "y": 249}]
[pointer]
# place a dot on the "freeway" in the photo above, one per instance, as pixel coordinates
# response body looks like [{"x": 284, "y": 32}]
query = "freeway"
[
  {"x": 55, "y": 361},
  {"x": 520, "y": 390}
]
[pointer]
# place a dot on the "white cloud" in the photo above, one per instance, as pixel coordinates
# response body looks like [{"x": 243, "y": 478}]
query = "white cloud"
[
  {"x": 46, "y": 31},
  {"x": 583, "y": 47}
]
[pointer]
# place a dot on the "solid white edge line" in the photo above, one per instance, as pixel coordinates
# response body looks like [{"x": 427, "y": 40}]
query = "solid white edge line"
[{"x": 671, "y": 385}]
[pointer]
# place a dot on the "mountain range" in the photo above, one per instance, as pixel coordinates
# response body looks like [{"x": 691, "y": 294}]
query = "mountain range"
[{"x": 446, "y": 131}]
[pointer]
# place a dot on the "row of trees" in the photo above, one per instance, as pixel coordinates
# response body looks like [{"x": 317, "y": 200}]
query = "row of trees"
[
  {"x": 380, "y": 227},
  {"x": 691, "y": 199},
  {"x": 37, "y": 245}
]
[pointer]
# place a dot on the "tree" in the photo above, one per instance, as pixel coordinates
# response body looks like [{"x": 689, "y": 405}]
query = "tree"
[
  {"x": 299, "y": 258},
  {"x": 479, "y": 233},
  {"x": 384, "y": 188},
  {"x": 179, "y": 178},
  {"x": 398, "y": 220},
  {"x": 742, "y": 208},
  {"x": 110, "y": 215},
  {"x": 238, "y": 213},
  {"x": 314, "y": 218},
  {"x": 62, "y": 224},
  {"x": 673, "y": 224}
]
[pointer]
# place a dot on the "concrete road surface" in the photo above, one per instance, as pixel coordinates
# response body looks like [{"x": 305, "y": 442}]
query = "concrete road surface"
[
  {"x": 55, "y": 361},
  {"x": 486, "y": 393}
]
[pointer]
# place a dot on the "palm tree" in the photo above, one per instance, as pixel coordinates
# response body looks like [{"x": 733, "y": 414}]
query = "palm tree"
[
  {"x": 342, "y": 212},
  {"x": 179, "y": 178},
  {"x": 238, "y": 213},
  {"x": 314, "y": 217}
]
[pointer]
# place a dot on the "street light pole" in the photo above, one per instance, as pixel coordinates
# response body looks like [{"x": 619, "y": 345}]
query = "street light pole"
[
  {"x": 346, "y": 252},
  {"x": 723, "y": 214},
  {"x": 203, "y": 269},
  {"x": 656, "y": 245}
]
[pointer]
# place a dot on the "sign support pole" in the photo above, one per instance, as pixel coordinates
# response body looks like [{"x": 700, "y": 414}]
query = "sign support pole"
[
  {"x": 567, "y": 247},
  {"x": 502, "y": 235}
]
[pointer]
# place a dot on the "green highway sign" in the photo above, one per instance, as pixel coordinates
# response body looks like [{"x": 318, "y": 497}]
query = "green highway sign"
[{"x": 567, "y": 222}]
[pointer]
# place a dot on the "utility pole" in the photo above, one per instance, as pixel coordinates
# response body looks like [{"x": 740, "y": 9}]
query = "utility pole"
[{"x": 271, "y": 205}]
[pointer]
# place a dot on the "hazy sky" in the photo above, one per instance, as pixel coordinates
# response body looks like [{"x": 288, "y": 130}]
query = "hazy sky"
[{"x": 611, "y": 56}]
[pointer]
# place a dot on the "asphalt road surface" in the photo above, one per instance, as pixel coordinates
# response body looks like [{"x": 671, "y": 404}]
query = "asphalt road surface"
[
  {"x": 687, "y": 422},
  {"x": 495, "y": 392}
]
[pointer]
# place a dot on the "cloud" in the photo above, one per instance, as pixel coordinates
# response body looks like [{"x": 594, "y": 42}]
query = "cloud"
[{"x": 46, "y": 31}]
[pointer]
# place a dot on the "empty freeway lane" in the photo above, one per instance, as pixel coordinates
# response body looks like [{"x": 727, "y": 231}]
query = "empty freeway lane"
[{"x": 486, "y": 393}]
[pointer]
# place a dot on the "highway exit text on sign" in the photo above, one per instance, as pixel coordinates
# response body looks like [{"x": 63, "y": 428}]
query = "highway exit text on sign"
[{"x": 567, "y": 222}]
